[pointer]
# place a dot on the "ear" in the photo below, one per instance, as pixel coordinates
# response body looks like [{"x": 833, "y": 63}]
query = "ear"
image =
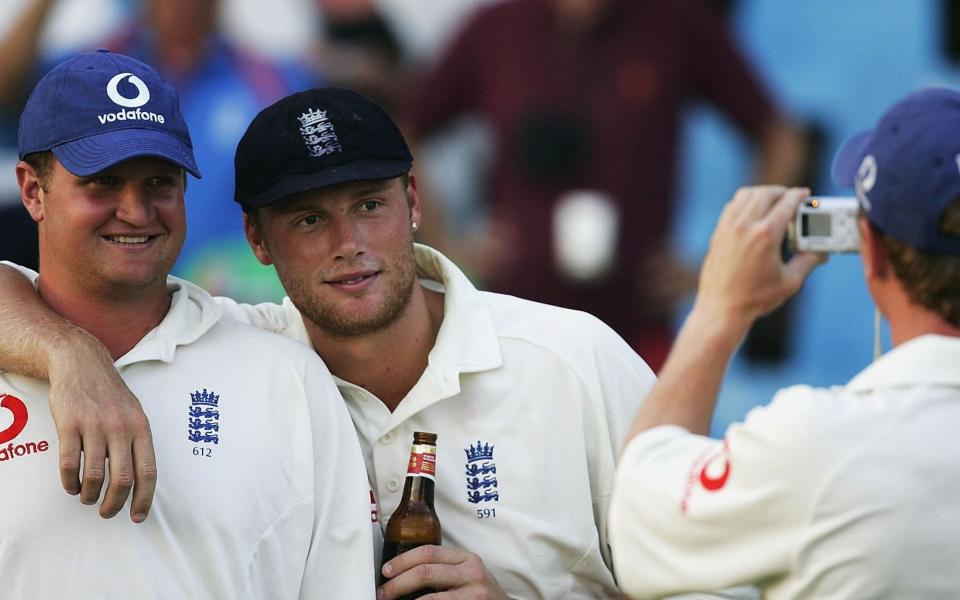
[
  {"x": 256, "y": 241},
  {"x": 30, "y": 190},
  {"x": 413, "y": 199},
  {"x": 875, "y": 263}
]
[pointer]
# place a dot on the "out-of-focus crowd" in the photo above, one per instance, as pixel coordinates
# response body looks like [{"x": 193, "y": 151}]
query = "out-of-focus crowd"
[{"x": 575, "y": 152}]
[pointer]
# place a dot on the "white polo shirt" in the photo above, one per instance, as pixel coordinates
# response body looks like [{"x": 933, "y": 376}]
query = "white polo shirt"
[
  {"x": 531, "y": 404},
  {"x": 261, "y": 490},
  {"x": 847, "y": 492}
]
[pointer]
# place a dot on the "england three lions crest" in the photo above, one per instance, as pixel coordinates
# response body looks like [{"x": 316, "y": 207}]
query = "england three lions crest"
[
  {"x": 204, "y": 417},
  {"x": 481, "y": 474}
]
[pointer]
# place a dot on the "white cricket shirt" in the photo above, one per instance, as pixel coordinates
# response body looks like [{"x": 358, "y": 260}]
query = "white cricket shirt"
[
  {"x": 531, "y": 404},
  {"x": 839, "y": 493},
  {"x": 261, "y": 490}
]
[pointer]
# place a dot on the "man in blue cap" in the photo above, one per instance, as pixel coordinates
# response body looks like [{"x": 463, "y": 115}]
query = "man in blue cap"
[
  {"x": 263, "y": 491},
  {"x": 845, "y": 492},
  {"x": 530, "y": 402}
]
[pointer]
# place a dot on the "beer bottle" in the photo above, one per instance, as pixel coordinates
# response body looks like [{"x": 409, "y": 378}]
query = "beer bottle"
[{"x": 415, "y": 521}]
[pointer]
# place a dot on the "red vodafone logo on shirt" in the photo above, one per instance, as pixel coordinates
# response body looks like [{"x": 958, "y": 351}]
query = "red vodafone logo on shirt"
[
  {"x": 11, "y": 450},
  {"x": 712, "y": 476},
  {"x": 19, "y": 409}
]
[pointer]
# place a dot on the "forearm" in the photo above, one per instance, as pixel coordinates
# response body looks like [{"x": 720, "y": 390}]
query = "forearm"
[
  {"x": 686, "y": 390},
  {"x": 32, "y": 337},
  {"x": 781, "y": 154},
  {"x": 18, "y": 51}
]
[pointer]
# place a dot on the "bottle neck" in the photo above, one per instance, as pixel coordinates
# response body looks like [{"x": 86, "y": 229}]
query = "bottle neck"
[
  {"x": 421, "y": 470},
  {"x": 418, "y": 489}
]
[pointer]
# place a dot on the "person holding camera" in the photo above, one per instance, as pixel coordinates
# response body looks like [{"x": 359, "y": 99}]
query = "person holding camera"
[{"x": 843, "y": 492}]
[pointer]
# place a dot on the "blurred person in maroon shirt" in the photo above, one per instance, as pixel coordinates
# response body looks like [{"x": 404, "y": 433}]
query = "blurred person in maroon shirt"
[{"x": 584, "y": 99}]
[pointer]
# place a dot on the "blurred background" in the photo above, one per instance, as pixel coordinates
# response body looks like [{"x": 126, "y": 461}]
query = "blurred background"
[{"x": 576, "y": 152}]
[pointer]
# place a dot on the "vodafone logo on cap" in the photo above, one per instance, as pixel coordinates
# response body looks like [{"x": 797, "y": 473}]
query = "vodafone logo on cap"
[
  {"x": 143, "y": 93},
  {"x": 15, "y": 406},
  {"x": 131, "y": 106}
]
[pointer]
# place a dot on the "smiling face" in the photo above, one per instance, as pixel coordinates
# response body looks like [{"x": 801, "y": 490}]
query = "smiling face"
[
  {"x": 117, "y": 232},
  {"x": 344, "y": 253}
]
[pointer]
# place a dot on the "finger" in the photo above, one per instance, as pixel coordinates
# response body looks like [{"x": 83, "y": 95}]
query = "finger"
[
  {"x": 70, "y": 461},
  {"x": 785, "y": 208},
  {"x": 422, "y": 577},
  {"x": 761, "y": 199},
  {"x": 427, "y": 554},
  {"x": 120, "y": 483},
  {"x": 94, "y": 457},
  {"x": 145, "y": 484}
]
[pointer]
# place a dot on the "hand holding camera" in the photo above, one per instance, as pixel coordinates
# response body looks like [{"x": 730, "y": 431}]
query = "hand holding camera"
[{"x": 743, "y": 276}]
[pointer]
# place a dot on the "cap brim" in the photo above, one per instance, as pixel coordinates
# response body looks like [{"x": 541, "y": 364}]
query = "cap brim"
[
  {"x": 359, "y": 170},
  {"x": 848, "y": 159},
  {"x": 95, "y": 153}
]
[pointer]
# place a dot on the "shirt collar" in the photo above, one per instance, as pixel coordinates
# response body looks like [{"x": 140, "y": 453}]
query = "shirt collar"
[
  {"x": 925, "y": 360},
  {"x": 467, "y": 341},
  {"x": 192, "y": 313}
]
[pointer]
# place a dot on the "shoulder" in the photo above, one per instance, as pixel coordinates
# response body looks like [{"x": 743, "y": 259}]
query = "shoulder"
[
  {"x": 247, "y": 342},
  {"x": 550, "y": 326},
  {"x": 807, "y": 419},
  {"x": 578, "y": 339}
]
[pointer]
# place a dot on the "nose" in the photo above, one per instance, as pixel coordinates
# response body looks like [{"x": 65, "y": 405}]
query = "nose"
[
  {"x": 346, "y": 239},
  {"x": 135, "y": 207}
]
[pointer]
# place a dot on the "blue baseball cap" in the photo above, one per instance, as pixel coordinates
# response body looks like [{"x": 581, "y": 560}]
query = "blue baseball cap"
[
  {"x": 314, "y": 139},
  {"x": 907, "y": 169},
  {"x": 100, "y": 108}
]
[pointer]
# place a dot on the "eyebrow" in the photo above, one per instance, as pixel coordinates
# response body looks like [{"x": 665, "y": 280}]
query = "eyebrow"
[{"x": 305, "y": 202}]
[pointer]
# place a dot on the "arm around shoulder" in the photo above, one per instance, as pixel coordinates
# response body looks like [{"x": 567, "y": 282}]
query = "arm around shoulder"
[{"x": 94, "y": 411}]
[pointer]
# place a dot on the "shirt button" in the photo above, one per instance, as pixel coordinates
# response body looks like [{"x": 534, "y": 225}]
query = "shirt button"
[
  {"x": 386, "y": 438},
  {"x": 392, "y": 485}
]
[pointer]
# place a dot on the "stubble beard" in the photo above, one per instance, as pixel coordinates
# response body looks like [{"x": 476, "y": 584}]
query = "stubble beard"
[{"x": 337, "y": 323}]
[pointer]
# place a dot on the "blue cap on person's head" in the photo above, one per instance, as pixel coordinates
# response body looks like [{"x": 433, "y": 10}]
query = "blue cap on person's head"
[
  {"x": 907, "y": 169},
  {"x": 97, "y": 109},
  {"x": 314, "y": 139}
]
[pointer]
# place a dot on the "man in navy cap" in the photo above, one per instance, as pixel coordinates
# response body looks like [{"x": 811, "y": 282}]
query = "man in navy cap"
[
  {"x": 845, "y": 492},
  {"x": 263, "y": 491},
  {"x": 530, "y": 402}
]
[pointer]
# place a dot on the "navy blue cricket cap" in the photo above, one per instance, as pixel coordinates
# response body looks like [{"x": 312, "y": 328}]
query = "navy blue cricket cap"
[
  {"x": 907, "y": 169},
  {"x": 314, "y": 139},
  {"x": 97, "y": 109}
]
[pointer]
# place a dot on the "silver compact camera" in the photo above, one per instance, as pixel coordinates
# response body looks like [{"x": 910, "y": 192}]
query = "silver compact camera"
[{"x": 825, "y": 224}]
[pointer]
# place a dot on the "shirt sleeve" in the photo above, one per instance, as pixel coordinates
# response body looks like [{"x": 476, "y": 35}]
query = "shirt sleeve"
[
  {"x": 340, "y": 563},
  {"x": 283, "y": 318},
  {"x": 719, "y": 72},
  {"x": 618, "y": 381},
  {"x": 694, "y": 513},
  {"x": 451, "y": 86}
]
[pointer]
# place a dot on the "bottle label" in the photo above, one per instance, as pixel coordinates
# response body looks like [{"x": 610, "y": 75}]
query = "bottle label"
[{"x": 423, "y": 462}]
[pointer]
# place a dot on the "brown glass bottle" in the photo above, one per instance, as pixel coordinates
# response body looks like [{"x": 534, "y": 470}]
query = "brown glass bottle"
[{"x": 415, "y": 522}]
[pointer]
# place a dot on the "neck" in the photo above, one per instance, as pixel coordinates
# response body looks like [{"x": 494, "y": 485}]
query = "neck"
[
  {"x": 925, "y": 322},
  {"x": 390, "y": 361},
  {"x": 909, "y": 320},
  {"x": 118, "y": 321}
]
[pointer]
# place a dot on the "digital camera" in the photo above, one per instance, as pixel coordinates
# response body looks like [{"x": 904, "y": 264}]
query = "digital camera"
[{"x": 825, "y": 224}]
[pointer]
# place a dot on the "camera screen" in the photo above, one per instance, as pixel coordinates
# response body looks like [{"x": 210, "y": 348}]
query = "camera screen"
[{"x": 815, "y": 225}]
